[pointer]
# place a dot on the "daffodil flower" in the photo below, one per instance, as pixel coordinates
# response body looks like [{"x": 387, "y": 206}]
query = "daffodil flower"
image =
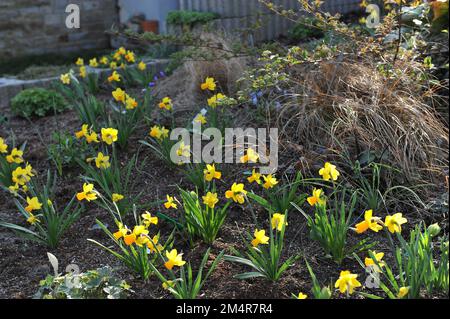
[
  {"x": 369, "y": 262},
  {"x": 302, "y": 296},
  {"x": 269, "y": 181},
  {"x": 210, "y": 199},
  {"x": 130, "y": 103},
  {"x": 394, "y": 223},
  {"x": 347, "y": 282},
  {"x": 83, "y": 72},
  {"x": 93, "y": 62},
  {"x": 329, "y": 171},
  {"x": 3, "y": 146},
  {"x": 260, "y": 238},
  {"x": 237, "y": 193},
  {"x": 250, "y": 157},
  {"x": 114, "y": 77},
  {"x": 79, "y": 62},
  {"x": 16, "y": 156},
  {"x": 166, "y": 103},
  {"x": 109, "y": 135},
  {"x": 32, "y": 219},
  {"x": 102, "y": 161},
  {"x": 278, "y": 220},
  {"x": 21, "y": 176},
  {"x": 142, "y": 66},
  {"x": 403, "y": 291},
  {"x": 214, "y": 100},
  {"x": 170, "y": 203},
  {"x": 148, "y": 219},
  {"x": 65, "y": 78},
  {"x": 316, "y": 198},
  {"x": 369, "y": 222},
  {"x": 117, "y": 197},
  {"x": 210, "y": 173},
  {"x": 88, "y": 193},
  {"x": 174, "y": 259},
  {"x": 119, "y": 95},
  {"x": 255, "y": 177},
  {"x": 33, "y": 204},
  {"x": 209, "y": 84}
]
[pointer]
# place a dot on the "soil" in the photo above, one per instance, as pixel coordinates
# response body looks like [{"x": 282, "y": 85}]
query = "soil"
[{"x": 23, "y": 264}]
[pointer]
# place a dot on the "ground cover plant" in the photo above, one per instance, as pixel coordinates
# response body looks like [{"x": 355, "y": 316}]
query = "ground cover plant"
[{"x": 356, "y": 208}]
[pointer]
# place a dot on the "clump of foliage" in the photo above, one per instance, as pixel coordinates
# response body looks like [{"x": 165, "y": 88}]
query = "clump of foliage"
[
  {"x": 37, "y": 102},
  {"x": 190, "y": 18},
  {"x": 100, "y": 283},
  {"x": 306, "y": 28},
  {"x": 65, "y": 151}
]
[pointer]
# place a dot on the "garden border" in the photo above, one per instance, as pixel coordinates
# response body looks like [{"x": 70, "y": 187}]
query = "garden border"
[{"x": 9, "y": 87}]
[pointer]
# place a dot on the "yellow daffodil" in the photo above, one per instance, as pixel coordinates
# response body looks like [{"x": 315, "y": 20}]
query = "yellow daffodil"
[
  {"x": 369, "y": 262},
  {"x": 174, "y": 259},
  {"x": 88, "y": 193},
  {"x": 49, "y": 202},
  {"x": 32, "y": 219},
  {"x": 148, "y": 219},
  {"x": 79, "y": 62},
  {"x": 200, "y": 118},
  {"x": 153, "y": 245},
  {"x": 369, "y": 222},
  {"x": 130, "y": 103},
  {"x": 170, "y": 203},
  {"x": 269, "y": 181},
  {"x": 301, "y": 295},
  {"x": 119, "y": 95},
  {"x": 140, "y": 230},
  {"x": 184, "y": 150},
  {"x": 21, "y": 176},
  {"x": 89, "y": 134},
  {"x": 210, "y": 199},
  {"x": 65, "y": 78},
  {"x": 130, "y": 57},
  {"x": 114, "y": 77},
  {"x": 122, "y": 232},
  {"x": 104, "y": 60},
  {"x": 166, "y": 103},
  {"x": 117, "y": 197},
  {"x": 3, "y": 146},
  {"x": 109, "y": 135},
  {"x": 347, "y": 282},
  {"x": 260, "y": 238},
  {"x": 209, "y": 84},
  {"x": 403, "y": 291},
  {"x": 168, "y": 284},
  {"x": 129, "y": 239},
  {"x": 155, "y": 132},
  {"x": 142, "y": 66},
  {"x": 237, "y": 193},
  {"x": 255, "y": 177},
  {"x": 278, "y": 220},
  {"x": 214, "y": 100},
  {"x": 33, "y": 204},
  {"x": 211, "y": 173},
  {"x": 14, "y": 188},
  {"x": 329, "y": 171},
  {"x": 250, "y": 157},
  {"x": 102, "y": 161},
  {"x": 15, "y": 156},
  {"x": 113, "y": 65},
  {"x": 394, "y": 223},
  {"x": 93, "y": 63},
  {"x": 316, "y": 198},
  {"x": 83, "y": 72}
]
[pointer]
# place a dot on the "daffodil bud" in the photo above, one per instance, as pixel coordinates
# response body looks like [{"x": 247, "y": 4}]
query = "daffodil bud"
[
  {"x": 325, "y": 293},
  {"x": 434, "y": 229}
]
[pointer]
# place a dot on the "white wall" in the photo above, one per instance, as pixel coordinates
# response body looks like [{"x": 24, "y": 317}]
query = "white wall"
[{"x": 153, "y": 10}]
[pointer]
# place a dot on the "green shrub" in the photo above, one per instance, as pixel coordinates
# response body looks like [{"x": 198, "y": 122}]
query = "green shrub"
[
  {"x": 306, "y": 28},
  {"x": 38, "y": 102},
  {"x": 190, "y": 18}
]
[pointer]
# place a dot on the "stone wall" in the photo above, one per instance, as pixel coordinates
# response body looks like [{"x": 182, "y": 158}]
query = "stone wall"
[{"x": 30, "y": 27}]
